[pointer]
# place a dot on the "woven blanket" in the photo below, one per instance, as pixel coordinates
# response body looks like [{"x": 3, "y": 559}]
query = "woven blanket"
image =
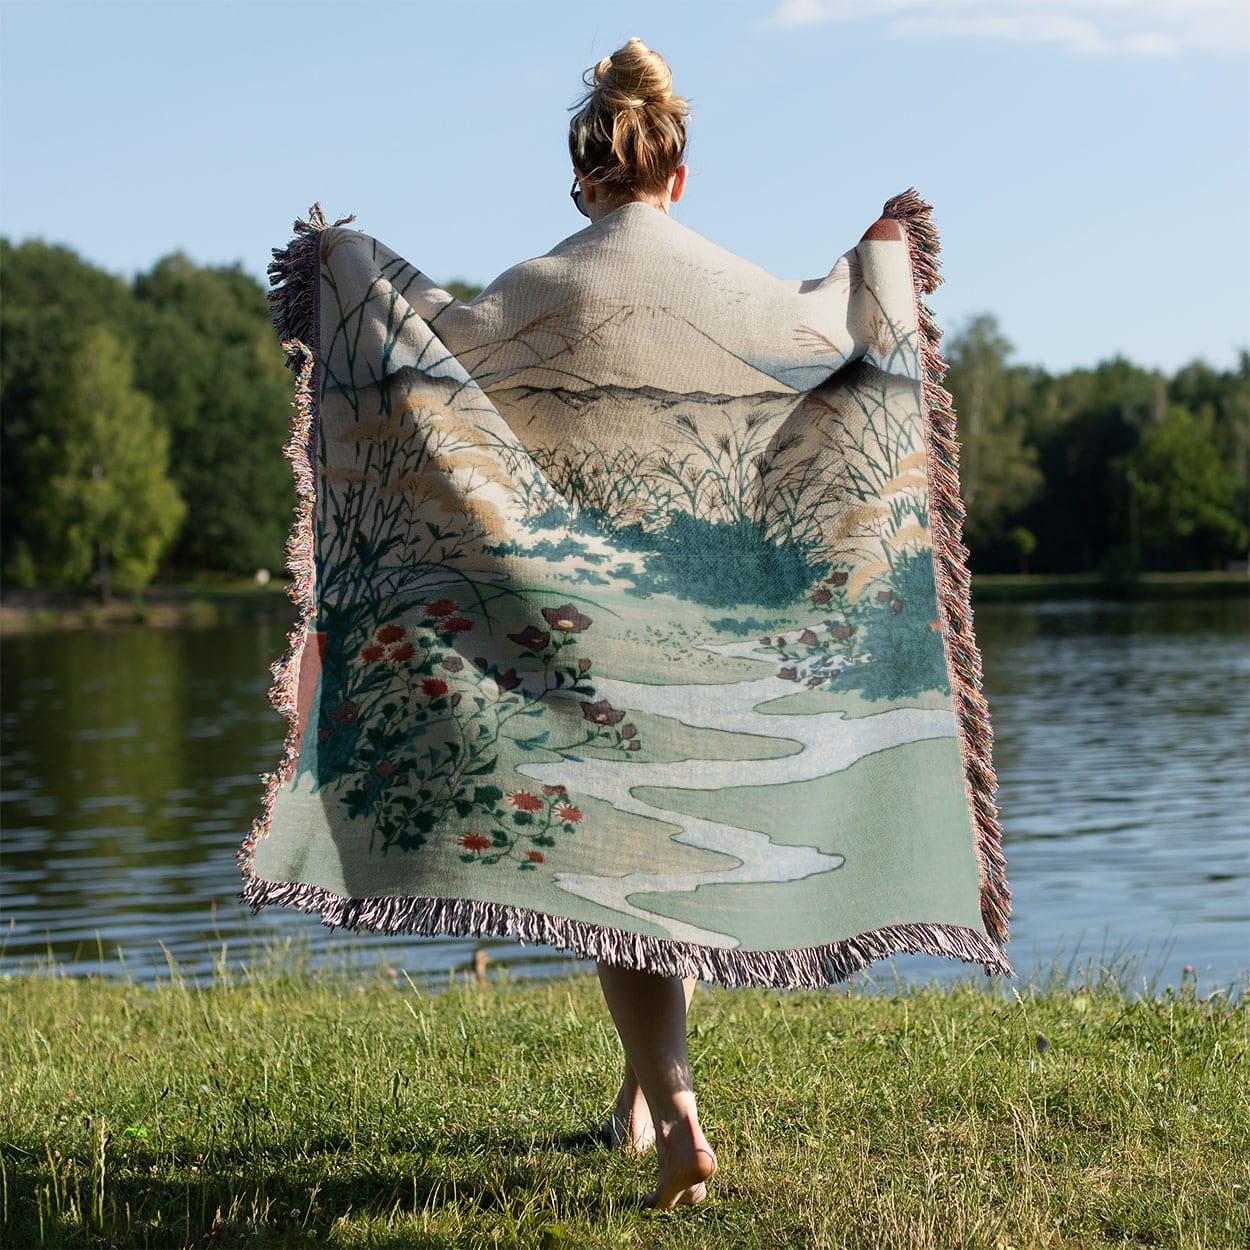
[{"x": 634, "y": 616}]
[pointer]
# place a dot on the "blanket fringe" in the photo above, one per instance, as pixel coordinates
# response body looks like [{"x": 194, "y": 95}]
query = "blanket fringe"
[
  {"x": 810, "y": 968},
  {"x": 950, "y": 560},
  {"x": 294, "y": 276}
]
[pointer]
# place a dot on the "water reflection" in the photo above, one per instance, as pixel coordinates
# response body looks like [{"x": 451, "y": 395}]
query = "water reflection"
[{"x": 131, "y": 762}]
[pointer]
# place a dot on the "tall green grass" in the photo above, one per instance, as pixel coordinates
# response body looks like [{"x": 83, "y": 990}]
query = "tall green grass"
[{"x": 287, "y": 1108}]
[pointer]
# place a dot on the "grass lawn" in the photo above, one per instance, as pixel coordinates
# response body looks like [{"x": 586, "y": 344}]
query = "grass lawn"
[{"x": 283, "y": 1108}]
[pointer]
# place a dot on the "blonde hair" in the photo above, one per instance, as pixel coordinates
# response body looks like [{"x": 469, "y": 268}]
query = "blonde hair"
[{"x": 629, "y": 133}]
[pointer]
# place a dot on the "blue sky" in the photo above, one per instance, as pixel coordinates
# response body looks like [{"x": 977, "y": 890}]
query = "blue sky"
[{"x": 1089, "y": 160}]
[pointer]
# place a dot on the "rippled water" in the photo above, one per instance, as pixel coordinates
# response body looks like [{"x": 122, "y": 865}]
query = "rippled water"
[{"x": 130, "y": 762}]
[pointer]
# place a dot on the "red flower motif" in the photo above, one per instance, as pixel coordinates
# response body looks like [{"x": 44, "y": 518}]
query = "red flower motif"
[
  {"x": 403, "y": 653},
  {"x": 524, "y": 801},
  {"x": 535, "y": 857},
  {"x": 532, "y": 638},
  {"x": 371, "y": 653},
  {"x": 385, "y": 768},
  {"x": 808, "y": 639},
  {"x": 433, "y": 687},
  {"x": 837, "y": 579},
  {"x": 566, "y": 618},
  {"x": 602, "y": 713},
  {"x": 555, "y": 789},
  {"x": 345, "y": 713},
  {"x": 441, "y": 607},
  {"x": 453, "y": 664},
  {"x": 566, "y": 811},
  {"x": 475, "y": 842},
  {"x": 935, "y": 625},
  {"x": 456, "y": 625},
  {"x": 390, "y": 633},
  {"x": 820, "y": 595}
]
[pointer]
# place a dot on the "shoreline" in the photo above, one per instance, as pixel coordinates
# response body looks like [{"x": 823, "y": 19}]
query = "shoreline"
[{"x": 206, "y": 604}]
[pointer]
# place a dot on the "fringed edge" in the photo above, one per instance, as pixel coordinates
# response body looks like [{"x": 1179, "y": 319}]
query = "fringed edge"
[
  {"x": 947, "y": 512},
  {"x": 294, "y": 274},
  {"x": 810, "y": 968},
  {"x": 293, "y": 300}
]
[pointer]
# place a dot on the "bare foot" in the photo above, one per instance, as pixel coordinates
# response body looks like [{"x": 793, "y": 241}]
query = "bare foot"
[
  {"x": 686, "y": 1165},
  {"x": 629, "y": 1126}
]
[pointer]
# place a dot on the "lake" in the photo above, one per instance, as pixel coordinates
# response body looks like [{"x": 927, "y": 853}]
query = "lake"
[{"x": 130, "y": 761}]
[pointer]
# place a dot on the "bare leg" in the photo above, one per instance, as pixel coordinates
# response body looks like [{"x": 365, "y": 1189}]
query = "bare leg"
[
  {"x": 650, "y": 1015},
  {"x": 629, "y": 1125}
]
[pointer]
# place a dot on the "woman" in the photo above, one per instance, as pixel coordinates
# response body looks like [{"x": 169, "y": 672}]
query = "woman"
[
  {"x": 634, "y": 620},
  {"x": 627, "y": 141}
]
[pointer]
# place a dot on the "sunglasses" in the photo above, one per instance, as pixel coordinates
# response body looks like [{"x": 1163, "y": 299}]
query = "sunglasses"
[{"x": 576, "y": 196}]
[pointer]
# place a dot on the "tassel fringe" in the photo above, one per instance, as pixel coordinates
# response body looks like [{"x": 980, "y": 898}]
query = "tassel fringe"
[
  {"x": 295, "y": 277},
  {"x": 811, "y": 968},
  {"x": 950, "y": 560}
]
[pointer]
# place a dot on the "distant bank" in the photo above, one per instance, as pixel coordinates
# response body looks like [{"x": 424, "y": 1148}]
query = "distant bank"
[{"x": 203, "y": 604}]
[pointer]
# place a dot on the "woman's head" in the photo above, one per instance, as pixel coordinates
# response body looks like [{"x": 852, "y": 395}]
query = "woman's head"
[{"x": 629, "y": 133}]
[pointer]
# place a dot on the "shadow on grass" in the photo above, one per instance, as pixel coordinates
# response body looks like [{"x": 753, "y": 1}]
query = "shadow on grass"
[{"x": 263, "y": 1196}]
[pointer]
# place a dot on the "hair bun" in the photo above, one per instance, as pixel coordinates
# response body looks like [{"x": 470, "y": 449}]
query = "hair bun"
[
  {"x": 629, "y": 131},
  {"x": 633, "y": 77}
]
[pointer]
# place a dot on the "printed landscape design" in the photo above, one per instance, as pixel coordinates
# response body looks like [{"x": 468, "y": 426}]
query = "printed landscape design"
[{"x": 667, "y": 661}]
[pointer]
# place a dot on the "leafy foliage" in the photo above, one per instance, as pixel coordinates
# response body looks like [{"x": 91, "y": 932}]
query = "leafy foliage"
[{"x": 105, "y": 502}]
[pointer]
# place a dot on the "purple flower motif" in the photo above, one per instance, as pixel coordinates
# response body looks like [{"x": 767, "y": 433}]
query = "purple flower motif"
[
  {"x": 897, "y": 605},
  {"x": 629, "y": 731},
  {"x": 482, "y": 662},
  {"x": 884, "y": 596},
  {"x": 808, "y": 639},
  {"x": 635, "y": 745},
  {"x": 766, "y": 642},
  {"x": 602, "y": 713},
  {"x": 814, "y": 681},
  {"x": 583, "y": 665},
  {"x": 508, "y": 680},
  {"x": 453, "y": 664},
  {"x": 788, "y": 674},
  {"x": 843, "y": 631},
  {"x": 532, "y": 638},
  {"x": 566, "y": 618},
  {"x": 820, "y": 595},
  {"x": 837, "y": 579}
]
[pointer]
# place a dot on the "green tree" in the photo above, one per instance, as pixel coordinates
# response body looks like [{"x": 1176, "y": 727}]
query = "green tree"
[
  {"x": 51, "y": 296},
  {"x": 463, "y": 290},
  {"x": 997, "y": 467},
  {"x": 1085, "y": 423},
  {"x": 104, "y": 502},
  {"x": 1185, "y": 494},
  {"x": 207, "y": 356}
]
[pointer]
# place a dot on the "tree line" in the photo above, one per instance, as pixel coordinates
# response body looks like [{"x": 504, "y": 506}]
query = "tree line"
[{"x": 142, "y": 423}]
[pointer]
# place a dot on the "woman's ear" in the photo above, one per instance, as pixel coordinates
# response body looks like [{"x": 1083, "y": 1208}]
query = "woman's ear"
[{"x": 678, "y": 185}]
